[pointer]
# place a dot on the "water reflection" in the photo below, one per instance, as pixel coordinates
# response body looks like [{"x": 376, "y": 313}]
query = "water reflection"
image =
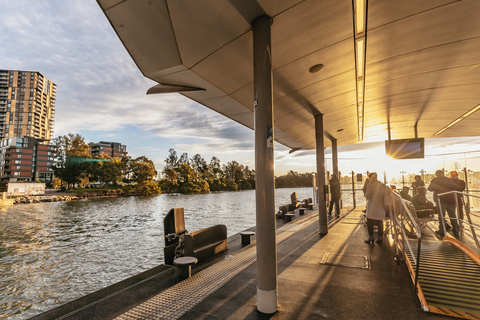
[{"x": 52, "y": 253}]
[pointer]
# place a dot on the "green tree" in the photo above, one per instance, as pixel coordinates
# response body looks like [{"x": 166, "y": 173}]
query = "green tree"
[
  {"x": 172, "y": 159},
  {"x": 107, "y": 169},
  {"x": 199, "y": 165},
  {"x": 71, "y": 152}
]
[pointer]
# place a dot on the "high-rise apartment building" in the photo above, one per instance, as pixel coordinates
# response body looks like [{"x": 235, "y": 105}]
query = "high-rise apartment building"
[
  {"x": 27, "y": 104},
  {"x": 111, "y": 149},
  {"x": 27, "y": 114}
]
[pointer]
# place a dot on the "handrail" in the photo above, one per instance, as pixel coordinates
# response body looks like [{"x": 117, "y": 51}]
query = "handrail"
[
  {"x": 467, "y": 213},
  {"x": 401, "y": 224}
]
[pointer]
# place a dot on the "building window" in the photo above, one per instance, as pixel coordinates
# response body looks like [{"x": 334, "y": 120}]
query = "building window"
[{"x": 19, "y": 156}]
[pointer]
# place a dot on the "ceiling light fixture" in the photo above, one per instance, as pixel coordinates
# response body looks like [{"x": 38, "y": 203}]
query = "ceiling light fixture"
[
  {"x": 316, "y": 68},
  {"x": 454, "y": 122},
  {"x": 359, "y": 16},
  {"x": 360, "y": 44}
]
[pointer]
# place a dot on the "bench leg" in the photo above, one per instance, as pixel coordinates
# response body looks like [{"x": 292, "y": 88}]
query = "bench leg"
[
  {"x": 183, "y": 272},
  {"x": 246, "y": 239}
]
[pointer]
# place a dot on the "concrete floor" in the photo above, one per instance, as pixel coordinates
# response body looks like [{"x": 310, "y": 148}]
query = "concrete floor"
[{"x": 308, "y": 289}]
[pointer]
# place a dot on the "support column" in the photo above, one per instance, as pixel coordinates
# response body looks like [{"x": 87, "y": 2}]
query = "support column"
[
  {"x": 264, "y": 166},
  {"x": 322, "y": 203},
  {"x": 335, "y": 157}
]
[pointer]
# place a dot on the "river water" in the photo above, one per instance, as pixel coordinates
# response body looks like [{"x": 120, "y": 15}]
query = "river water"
[{"x": 55, "y": 252}]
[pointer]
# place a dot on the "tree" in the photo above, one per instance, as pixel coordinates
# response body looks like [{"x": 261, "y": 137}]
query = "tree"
[
  {"x": 172, "y": 160},
  {"x": 183, "y": 159},
  {"x": 71, "y": 152},
  {"x": 171, "y": 179},
  {"x": 106, "y": 169},
  {"x": 199, "y": 165},
  {"x": 142, "y": 169}
]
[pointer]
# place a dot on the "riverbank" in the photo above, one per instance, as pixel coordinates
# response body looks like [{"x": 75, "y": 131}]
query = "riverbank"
[{"x": 66, "y": 196}]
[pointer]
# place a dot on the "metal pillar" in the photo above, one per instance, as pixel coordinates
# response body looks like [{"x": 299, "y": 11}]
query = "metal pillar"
[
  {"x": 335, "y": 157},
  {"x": 322, "y": 203},
  {"x": 264, "y": 185},
  {"x": 353, "y": 190},
  {"x": 467, "y": 190}
]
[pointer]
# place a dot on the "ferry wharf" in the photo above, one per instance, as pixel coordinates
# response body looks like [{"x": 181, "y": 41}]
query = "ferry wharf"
[{"x": 334, "y": 276}]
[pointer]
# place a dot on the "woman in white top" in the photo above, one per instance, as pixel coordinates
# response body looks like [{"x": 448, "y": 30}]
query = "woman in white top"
[{"x": 375, "y": 209}]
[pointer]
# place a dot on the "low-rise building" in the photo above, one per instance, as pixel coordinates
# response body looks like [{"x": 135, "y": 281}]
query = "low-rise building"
[
  {"x": 26, "y": 160},
  {"x": 111, "y": 149}
]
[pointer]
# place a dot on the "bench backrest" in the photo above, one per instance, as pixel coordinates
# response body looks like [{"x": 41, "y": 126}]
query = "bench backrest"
[{"x": 174, "y": 222}]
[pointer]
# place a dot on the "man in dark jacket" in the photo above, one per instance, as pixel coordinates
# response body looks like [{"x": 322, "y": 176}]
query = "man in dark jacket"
[
  {"x": 441, "y": 184},
  {"x": 335, "y": 193}
]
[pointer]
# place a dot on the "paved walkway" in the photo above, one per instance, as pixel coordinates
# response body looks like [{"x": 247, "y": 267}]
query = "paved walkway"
[{"x": 336, "y": 276}]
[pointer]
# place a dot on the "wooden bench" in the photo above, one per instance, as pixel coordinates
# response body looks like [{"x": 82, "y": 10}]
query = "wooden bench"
[
  {"x": 247, "y": 237},
  {"x": 183, "y": 267},
  {"x": 205, "y": 243}
]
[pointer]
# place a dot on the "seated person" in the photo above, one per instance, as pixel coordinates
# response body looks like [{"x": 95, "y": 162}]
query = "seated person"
[
  {"x": 404, "y": 194},
  {"x": 420, "y": 201}
]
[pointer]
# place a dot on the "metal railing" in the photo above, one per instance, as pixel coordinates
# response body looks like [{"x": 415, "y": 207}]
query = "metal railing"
[
  {"x": 458, "y": 216},
  {"x": 404, "y": 220}
]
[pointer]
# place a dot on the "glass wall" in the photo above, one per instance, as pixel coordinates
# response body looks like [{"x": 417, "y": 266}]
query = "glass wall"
[{"x": 401, "y": 173}]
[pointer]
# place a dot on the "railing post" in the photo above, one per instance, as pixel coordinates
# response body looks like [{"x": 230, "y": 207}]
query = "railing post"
[{"x": 353, "y": 190}]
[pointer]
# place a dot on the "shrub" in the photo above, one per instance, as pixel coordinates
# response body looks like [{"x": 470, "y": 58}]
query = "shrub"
[{"x": 147, "y": 188}]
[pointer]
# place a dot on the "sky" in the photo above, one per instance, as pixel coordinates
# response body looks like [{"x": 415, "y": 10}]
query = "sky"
[{"x": 102, "y": 96}]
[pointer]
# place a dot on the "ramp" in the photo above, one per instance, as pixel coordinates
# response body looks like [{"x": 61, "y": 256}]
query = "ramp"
[{"x": 449, "y": 279}]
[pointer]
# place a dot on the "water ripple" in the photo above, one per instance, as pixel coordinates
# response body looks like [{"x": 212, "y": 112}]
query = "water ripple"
[{"x": 52, "y": 253}]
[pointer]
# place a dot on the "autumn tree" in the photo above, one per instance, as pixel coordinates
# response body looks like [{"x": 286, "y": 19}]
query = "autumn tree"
[{"x": 142, "y": 169}]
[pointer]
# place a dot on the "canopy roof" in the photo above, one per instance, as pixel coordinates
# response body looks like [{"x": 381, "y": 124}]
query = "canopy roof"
[{"x": 421, "y": 67}]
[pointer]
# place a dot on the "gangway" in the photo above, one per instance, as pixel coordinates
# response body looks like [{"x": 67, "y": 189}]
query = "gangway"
[{"x": 446, "y": 274}]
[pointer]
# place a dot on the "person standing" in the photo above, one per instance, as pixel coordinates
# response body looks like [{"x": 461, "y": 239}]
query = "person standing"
[
  {"x": 375, "y": 214},
  {"x": 335, "y": 193},
  {"x": 441, "y": 184},
  {"x": 364, "y": 189},
  {"x": 461, "y": 187}
]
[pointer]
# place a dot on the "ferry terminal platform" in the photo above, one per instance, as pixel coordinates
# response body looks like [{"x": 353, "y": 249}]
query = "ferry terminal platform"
[{"x": 335, "y": 276}]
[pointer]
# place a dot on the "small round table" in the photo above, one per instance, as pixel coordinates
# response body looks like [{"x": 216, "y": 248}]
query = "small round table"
[
  {"x": 247, "y": 237},
  {"x": 183, "y": 267},
  {"x": 289, "y": 216}
]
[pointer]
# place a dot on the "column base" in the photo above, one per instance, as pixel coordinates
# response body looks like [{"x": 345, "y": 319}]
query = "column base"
[{"x": 266, "y": 301}]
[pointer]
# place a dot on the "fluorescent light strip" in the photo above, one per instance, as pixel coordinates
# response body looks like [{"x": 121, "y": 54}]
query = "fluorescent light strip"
[
  {"x": 454, "y": 122},
  {"x": 360, "y": 44},
  {"x": 360, "y": 108},
  {"x": 360, "y": 16}
]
